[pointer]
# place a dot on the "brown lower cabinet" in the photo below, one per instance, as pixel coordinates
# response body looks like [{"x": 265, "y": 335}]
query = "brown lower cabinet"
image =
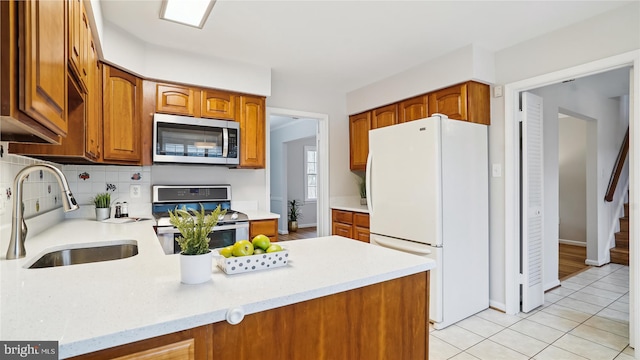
[
  {"x": 267, "y": 227},
  {"x": 350, "y": 224},
  {"x": 387, "y": 320}
]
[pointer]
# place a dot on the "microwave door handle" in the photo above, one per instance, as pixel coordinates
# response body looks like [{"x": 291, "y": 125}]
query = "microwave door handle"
[{"x": 225, "y": 142}]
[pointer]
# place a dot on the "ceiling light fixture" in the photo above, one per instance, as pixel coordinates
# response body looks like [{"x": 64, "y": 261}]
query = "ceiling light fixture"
[{"x": 187, "y": 12}]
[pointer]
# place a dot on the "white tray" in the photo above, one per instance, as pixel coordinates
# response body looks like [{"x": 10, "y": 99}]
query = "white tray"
[{"x": 241, "y": 264}]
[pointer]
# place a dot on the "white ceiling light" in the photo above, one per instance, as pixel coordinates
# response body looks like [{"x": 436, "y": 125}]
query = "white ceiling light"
[{"x": 187, "y": 12}]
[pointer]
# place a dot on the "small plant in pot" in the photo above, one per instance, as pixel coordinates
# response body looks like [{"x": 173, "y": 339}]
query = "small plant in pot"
[
  {"x": 102, "y": 201},
  {"x": 363, "y": 191},
  {"x": 195, "y": 255},
  {"x": 294, "y": 214}
]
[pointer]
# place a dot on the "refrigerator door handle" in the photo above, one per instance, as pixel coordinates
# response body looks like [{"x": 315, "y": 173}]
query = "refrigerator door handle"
[
  {"x": 402, "y": 245},
  {"x": 367, "y": 182}
]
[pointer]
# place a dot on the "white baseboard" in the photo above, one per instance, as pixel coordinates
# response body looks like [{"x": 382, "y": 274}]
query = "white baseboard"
[
  {"x": 551, "y": 285},
  {"x": 573, "y": 242},
  {"x": 283, "y": 232},
  {"x": 594, "y": 262},
  {"x": 301, "y": 226},
  {"x": 497, "y": 305}
]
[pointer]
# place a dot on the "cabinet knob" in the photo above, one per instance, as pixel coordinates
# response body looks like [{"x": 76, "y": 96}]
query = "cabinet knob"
[{"x": 235, "y": 316}]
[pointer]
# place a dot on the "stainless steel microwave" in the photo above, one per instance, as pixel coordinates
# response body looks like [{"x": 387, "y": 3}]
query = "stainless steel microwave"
[{"x": 187, "y": 140}]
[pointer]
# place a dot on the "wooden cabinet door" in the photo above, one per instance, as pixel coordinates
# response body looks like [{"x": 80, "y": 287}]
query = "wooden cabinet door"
[
  {"x": 79, "y": 42},
  {"x": 342, "y": 230},
  {"x": 359, "y": 126},
  {"x": 218, "y": 105},
  {"x": 191, "y": 344},
  {"x": 451, "y": 101},
  {"x": 252, "y": 132},
  {"x": 342, "y": 216},
  {"x": 413, "y": 109},
  {"x": 478, "y": 103},
  {"x": 122, "y": 97},
  {"x": 94, "y": 104},
  {"x": 175, "y": 99},
  {"x": 268, "y": 227},
  {"x": 43, "y": 89},
  {"x": 384, "y": 116},
  {"x": 361, "y": 234}
]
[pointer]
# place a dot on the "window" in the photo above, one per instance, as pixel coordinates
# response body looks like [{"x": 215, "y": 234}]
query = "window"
[{"x": 310, "y": 173}]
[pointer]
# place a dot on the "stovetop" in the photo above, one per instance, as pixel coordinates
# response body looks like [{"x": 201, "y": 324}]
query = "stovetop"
[{"x": 169, "y": 197}]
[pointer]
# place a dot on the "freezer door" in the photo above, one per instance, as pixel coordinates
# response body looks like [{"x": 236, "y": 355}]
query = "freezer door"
[
  {"x": 404, "y": 181},
  {"x": 435, "y": 278}
]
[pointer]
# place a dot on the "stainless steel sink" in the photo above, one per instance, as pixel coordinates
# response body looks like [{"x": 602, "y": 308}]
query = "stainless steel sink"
[{"x": 85, "y": 255}]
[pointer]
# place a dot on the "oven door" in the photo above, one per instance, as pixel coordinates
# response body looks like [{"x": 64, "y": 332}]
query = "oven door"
[{"x": 221, "y": 236}]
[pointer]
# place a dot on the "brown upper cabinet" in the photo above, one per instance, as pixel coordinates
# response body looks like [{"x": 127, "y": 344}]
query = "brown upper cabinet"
[
  {"x": 79, "y": 42},
  {"x": 384, "y": 116},
  {"x": 252, "y": 131},
  {"x": 175, "y": 99},
  {"x": 122, "y": 101},
  {"x": 33, "y": 36},
  {"x": 413, "y": 109},
  {"x": 217, "y": 104},
  {"x": 359, "y": 126},
  {"x": 468, "y": 102}
]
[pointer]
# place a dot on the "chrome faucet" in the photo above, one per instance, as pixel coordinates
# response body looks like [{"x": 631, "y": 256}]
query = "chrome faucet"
[{"x": 18, "y": 226}]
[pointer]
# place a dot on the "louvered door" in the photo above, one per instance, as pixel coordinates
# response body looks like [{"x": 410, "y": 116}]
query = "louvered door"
[{"x": 532, "y": 206}]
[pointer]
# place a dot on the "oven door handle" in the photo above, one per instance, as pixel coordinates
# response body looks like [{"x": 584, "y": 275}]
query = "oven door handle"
[{"x": 231, "y": 227}]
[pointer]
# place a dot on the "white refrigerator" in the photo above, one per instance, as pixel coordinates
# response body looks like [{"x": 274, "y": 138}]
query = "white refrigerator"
[{"x": 428, "y": 194}]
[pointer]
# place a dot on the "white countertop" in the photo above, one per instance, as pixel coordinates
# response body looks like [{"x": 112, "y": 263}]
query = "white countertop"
[
  {"x": 94, "y": 306},
  {"x": 260, "y": 215},
  {"x": 348, "y": 204}
]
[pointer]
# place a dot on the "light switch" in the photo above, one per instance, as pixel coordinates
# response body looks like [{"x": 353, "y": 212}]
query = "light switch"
[{"x": 496, "y": 170}]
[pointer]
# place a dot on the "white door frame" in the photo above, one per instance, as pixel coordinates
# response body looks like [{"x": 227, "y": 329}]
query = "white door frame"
[
  {"x": 511, "y": 138},
  {"x": 322, "y": 138}
]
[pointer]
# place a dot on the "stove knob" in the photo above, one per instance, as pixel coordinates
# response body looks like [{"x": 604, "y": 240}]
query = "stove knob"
[
  {"x": 234, "y": 216},
  {"x": 220, "y": 217}
]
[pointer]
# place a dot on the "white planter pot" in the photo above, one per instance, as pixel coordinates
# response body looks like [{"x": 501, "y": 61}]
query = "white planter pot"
[
  {"x": 103, "y": 213},
  {"x": 195, "y": 269}
]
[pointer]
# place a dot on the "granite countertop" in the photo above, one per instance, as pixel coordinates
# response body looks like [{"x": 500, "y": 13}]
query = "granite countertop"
[{"x": 140, "y": 297}]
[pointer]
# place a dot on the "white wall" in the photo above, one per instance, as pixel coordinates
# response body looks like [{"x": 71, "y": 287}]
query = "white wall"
[
  {"x": 155, "y": 62},
  {"x": 468, "y": 63},
  {"x": 615, "y": 32},
  {"x": 296, "y": 129},
  {"x": 296, "y": 179},
  {"x": 572, "y": 163}
]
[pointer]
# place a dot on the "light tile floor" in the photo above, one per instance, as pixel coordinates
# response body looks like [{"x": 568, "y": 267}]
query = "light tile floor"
[{"x": 587, "y": 317}]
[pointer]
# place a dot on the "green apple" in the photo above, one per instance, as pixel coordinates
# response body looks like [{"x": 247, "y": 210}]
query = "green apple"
[
  {"x": 242, "y": 248},
  {"x": 257, "y": 251},
  {"x": 261, "y": 241},
  {"x": 274, "y": 248},
  {"x": 226, "y": 251}
]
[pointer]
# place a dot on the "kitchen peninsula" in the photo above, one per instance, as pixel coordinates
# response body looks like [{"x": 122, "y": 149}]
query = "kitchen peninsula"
[{"x": 337, "y": 298}]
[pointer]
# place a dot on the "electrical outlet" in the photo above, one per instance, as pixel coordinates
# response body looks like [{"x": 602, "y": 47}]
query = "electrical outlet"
[
  {"x": 496, "y": 170},
  {"x": 134, "y": 191}
]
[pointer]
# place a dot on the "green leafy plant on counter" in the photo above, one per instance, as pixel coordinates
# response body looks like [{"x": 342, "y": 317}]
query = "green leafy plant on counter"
[
  {"x": 194, "y": 227},
  {"x": 102, "y": 200},
  {"x": 294, "y": 210},
  {"x": 363, "y": 188}
]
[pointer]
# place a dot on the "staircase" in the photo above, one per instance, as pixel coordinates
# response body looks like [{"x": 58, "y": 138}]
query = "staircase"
[{"x": 620, "y": 253}]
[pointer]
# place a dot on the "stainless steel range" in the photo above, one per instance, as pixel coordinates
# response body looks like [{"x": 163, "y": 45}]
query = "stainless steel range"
[{"x": 231, "y": 227}]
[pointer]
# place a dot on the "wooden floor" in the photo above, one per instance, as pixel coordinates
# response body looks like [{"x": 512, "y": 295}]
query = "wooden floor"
[
  {"x": 302, "y": 233},
  {"x": 571, "y": 260}
]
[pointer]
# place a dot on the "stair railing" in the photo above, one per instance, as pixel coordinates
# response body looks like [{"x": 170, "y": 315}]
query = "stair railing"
[{"x": 617, "y": 169}]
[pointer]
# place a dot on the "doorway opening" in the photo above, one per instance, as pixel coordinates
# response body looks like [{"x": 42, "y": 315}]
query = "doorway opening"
[{"x": 297, "y": 169}]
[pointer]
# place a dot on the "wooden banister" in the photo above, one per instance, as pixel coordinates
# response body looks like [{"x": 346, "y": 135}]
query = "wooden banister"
[{"x": 617, "y": 169}]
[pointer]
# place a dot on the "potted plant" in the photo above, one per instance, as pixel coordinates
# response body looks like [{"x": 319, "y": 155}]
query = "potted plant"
[
  {"x": 363, "y": 191},
  {"x": 195, "y": 255},
  {"x": 294, "y": 214},
  {"x": 102, "y": 201}
]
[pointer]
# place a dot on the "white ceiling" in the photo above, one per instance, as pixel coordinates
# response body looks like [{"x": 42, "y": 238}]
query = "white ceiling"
[{"x": 344, "y": 45}]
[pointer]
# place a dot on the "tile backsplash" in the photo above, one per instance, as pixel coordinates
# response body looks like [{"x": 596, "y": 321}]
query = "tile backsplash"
[{"x": 42, "y": 193}]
